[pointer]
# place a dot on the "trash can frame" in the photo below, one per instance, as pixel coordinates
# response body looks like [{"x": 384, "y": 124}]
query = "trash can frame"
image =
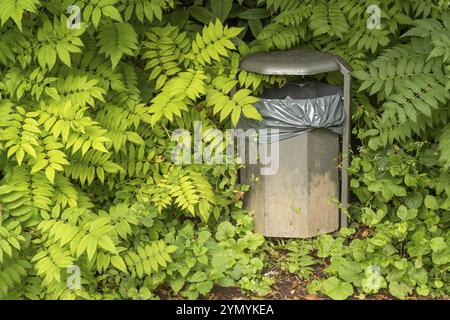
[{"x": 305, "y": 62}]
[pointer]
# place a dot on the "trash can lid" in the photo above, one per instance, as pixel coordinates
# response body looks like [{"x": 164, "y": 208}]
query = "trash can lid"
[{"x": 292, "y": 62}]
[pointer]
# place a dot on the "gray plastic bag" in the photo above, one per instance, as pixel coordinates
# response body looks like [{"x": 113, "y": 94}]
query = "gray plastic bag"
[{"x": 297, "y": 108}]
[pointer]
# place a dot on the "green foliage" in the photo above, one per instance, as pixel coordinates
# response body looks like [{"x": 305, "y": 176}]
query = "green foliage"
[
  {"x": 85, "y": 121},
  {"x": 87, "y": 179}
]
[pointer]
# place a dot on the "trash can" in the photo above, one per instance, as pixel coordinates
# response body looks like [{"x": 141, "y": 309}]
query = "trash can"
[{"x": 310, "y": 124}]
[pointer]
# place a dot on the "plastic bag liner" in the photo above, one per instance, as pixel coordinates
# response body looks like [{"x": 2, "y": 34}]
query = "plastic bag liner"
[{"x": 297, "y": 108}]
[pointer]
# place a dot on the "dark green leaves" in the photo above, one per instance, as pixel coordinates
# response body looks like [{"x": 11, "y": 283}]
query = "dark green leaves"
[{"x": 221, "y": 8}]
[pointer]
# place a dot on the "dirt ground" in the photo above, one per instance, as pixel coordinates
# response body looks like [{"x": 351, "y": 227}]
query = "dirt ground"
[
  {"x": 290, "y": 287},
  {"x": 286, "y": 287}
]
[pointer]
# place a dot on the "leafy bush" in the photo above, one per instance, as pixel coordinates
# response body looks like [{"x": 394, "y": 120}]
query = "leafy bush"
[{"x": 86, "y": 118}]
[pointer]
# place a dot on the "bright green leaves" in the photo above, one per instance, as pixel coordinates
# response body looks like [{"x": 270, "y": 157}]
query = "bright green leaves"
[
  {"x": 399, "y": 289},
  {"x": 117, "y": 39},
  {"x": 56, "y": 40},
  {"x": 50, "y": 158},
  {"x": 76, "y": 131},
  {"x": 79, "y": 90},
  {"x": 118, "y": 263},
  {"x": 438, "y": 244},
  {"x": 190, "y": 84},
  {"x": 187, "y": 190},
  {"x": 15, "y": 9},
  {"x": 177, "y": 94},
  {"x": 213, "y": 42},
  {"x": 91, "y": 138},
  {"x": 93, "y": 164},
  {"x": 337, "y": 289},
  {"x": 93, "y": 11},
  {"x": 135, "y": 161},
  {"x": 50, "y": 261},
  {"x": 112, "y": 13},
  {"x": 22, "y": 134},
  {"x": 167, "y": 106},
  {"x": 97, "y": 237},
  {"x": 192, "y": 190},
  {"x": 240, "y": 103},
  {"x": 244, "y": 101},
  {"x": 123, "y": 218},
  {"x": 94, "y": 237},
  {"x": 225, "y": 230},
  {"x": 149, "y": 259},
  {"x": 166, "y": 51},
  {"x": 10, "y": 241},
  {"x": 22, "y": 194}
]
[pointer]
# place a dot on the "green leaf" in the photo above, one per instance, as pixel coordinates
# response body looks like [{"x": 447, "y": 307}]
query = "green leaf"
[
  {"x": 112, "y": 12},
  {"x": 50, "y": 174},
  {"x": 198, "y": 276},
  {"x": 91, "y": 247},
  {"x": 404, "y": 214},
  {"x": 96, "y": 15},
  {"x": 106, "y": 243},
  {"x": 399, "y": 289},
  {"x": 63, "y": 54},
  {"x": 201, "y": 14},
  {"x": 204, "y": 287},
  {"x": 431, "y": 203},
  {"x": 177, "y": 284},
  {"x": 39, "y": 165},
  {"x": 118, "y": 263},
  {"x": 437, "y": 244},
  {"x": 254, "y": 14},
  {"x": 337, "y": 289},
  {"x": 221, "y": 8},
  {"x": 225, "y": 230},
  {"x": 251, "y": 112}
]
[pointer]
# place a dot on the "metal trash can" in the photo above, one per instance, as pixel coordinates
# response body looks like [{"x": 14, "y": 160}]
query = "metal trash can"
[{"x": 299, "y": 200}]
